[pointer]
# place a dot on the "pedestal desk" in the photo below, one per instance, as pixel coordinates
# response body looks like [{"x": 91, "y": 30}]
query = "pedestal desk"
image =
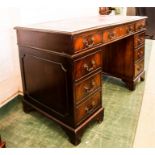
[{"x": 62, "y": 64}]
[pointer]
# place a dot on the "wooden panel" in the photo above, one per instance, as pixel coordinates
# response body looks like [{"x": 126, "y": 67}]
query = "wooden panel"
[
  {"x": 45, "y": 40},
  {"x": 87, "y": 86},
  {"x": 139, "y": 53},
  {"x": 44, "y": 81},
  {"x": 86, "y": 108},
  {"x": 118, "y": 58},
  {"x": 87, "y": 64},
  {"x": 139, "y": 67}
]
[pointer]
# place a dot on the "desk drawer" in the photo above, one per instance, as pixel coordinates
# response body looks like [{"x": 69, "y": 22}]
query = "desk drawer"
[
  {"x": 115, "y": 33},
  {"x": 140, "y": 25},
  {"x": 111, "y": 34},
  {"x": 87, "y": 64},
  {"x": 139, "y": 67},
  {"x": 139, "y": 39},
  {"x": 86, "y": 108},
  {"x": 139, "y": 53},
  {"x": 87, "y": 41},
  {"x": 88, "y": 86}
]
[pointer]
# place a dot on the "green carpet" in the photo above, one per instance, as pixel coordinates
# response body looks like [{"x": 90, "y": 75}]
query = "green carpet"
[{"x": 122, "y": 108}]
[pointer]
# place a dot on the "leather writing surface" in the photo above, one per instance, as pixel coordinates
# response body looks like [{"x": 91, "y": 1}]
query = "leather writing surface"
[{"x": 83, "y": 24}]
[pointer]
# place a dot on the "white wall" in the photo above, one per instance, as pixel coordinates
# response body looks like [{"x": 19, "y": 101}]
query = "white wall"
[
  {"x": 34, "y": 15},
  {"x": 9, "y": 68},
  {"x": 10, "y": 79}
]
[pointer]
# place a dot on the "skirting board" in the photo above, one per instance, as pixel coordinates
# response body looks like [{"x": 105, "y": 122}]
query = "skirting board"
[{"x": 10, "y": 98}]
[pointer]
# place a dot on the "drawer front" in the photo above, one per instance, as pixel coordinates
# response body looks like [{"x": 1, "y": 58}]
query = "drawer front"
[
  {"x": 87, "y": 41},
  {"x": 111, "y": 34},
  {"x": 139, "y": 53},
  {"x": 88, "y": 86},
  {"x": 87, "y": 64},
  {"x": 140, "y": 25},
  {"x": 139, "y": 67},
  {"x": 115, "y": 33},
  {"x": 139, "y": 39},
  {"x": 86, "y": 108}
]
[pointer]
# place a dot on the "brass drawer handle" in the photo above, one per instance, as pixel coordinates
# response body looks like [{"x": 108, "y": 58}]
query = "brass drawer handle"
[
  {"x": 93, "y": 103},
  {"x": 90, "y": 107},
  {"x": 140, "y": 27},
  {"x": 111, "y": 35},
  {"x": 90, "y": 88},
  {"x": 87, "y": 109},
  {"x": 89, "y": 68},
  {"x": 140, "y": 40},
  {"x": 139, "y": 68},
  {"x": 130, "y": 29},
  {"x": 87, "y": 43},
  {"x": 140, "y": 53}
]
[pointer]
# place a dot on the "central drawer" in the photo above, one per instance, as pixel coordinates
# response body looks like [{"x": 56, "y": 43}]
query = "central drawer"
[
  {"x": 85, "y": 109},
  {"x": 87, "y": 86},
  {"x": 115, "y": 33}
]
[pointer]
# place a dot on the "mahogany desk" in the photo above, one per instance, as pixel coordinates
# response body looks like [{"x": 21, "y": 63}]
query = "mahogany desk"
[{"x": 62, "y": 64}]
